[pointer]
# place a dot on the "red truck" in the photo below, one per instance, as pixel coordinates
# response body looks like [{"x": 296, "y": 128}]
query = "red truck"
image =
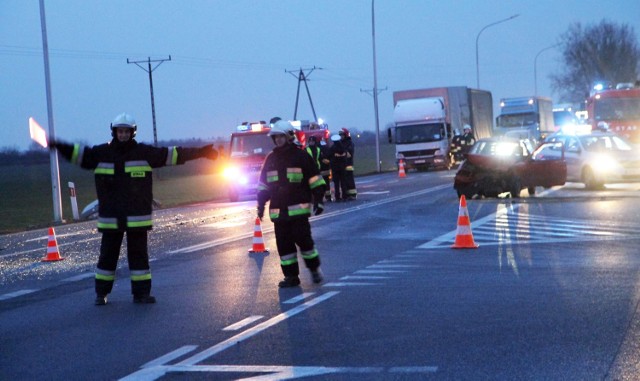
[
  {"x": 616, "y": 109},
  {"x": 248, "y": 147}
]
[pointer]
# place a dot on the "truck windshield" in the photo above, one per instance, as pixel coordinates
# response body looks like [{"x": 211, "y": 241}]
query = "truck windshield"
[
  {"x": 617, "y": 109},
  {"x": 516, "y": 120},
  {"x": 419, "y": 133},
  {"x": 250, "y": 145}
]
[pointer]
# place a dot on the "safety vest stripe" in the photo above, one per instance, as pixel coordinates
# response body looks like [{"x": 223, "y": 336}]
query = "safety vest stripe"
[
  {"x": 108, "y": 278},
  {"x": 76, "y": 155},
  {"x": 294, "y": 174},
  {"x": 105, "y": 169},
  {"x": 300, "y": 209},
  {"x": 316, "y": 158},
  {"x": 107, "y": 223},
  {"x": 172, "y": 156},
  {"x": 349, "y": 168},
  {"x": 141, "y": 168},
  {"x": 309, "y": 254},
  {"x": 272, "y": 176}
]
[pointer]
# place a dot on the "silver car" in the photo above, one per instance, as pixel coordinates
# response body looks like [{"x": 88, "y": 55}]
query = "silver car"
[{"x": 599, "y": 158}]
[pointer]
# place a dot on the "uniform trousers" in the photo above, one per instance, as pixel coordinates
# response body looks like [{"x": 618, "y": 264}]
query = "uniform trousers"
[
  {"x": 291, "y": 235},
  {"x": 137, "y": 256}
]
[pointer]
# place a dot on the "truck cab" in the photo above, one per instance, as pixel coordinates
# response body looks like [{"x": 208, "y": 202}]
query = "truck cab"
[{"x": 525, "y": 118}]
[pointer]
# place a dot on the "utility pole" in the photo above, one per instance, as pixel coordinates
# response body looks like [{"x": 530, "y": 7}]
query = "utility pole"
[
  {"x": 302, "y": 77},
  {"x": 150, "y": 70}
]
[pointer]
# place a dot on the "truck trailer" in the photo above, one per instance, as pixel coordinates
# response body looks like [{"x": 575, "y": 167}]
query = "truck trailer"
[
  {"x": 426, "y": 120},
  {"x": 525, "y": 118}
]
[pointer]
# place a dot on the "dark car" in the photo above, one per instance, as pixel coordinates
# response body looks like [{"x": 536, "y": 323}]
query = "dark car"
[{"x": 499, "y": 165}]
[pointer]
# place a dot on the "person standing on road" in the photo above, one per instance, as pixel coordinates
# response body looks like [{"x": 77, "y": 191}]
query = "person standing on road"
[
  {"x": 349, "y": 178},
  {"x": 123, "y": 181},
  {"x": 338, "y": 168},
  {"x": 467, "y": 140},
  {"x": 325, "y": 168},
  {"x": 290, "y": 181}
]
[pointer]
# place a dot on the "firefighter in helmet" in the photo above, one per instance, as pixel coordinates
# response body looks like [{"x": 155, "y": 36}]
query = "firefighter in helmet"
[
  {"x": 290, "y": 181},
  {"x": 123, "y": 181},
  {"x": 350, "y": 182}
]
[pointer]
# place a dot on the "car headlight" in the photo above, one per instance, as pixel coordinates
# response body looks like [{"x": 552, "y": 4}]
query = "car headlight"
[{"x": 604, "y": 164}]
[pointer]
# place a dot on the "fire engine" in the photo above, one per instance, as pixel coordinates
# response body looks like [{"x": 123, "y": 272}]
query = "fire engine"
[
  {"x": 249, "y": 146},
  {"x": 616, "y": 110}
]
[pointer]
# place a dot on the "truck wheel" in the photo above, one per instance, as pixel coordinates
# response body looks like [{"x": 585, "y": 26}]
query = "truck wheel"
[{"x": 532, "y": 190}]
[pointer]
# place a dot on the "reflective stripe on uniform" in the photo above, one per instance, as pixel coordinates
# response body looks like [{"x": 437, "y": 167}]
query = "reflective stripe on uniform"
[
  {"x": 310, "y": 254},
  {"x": 136, "y": 165},
  {"x": 139, "y": 275},
  {"x": 296, "y": 210},
  {"x": 316, "y": 181},
  {"x": 294, "y": 175},
  {"x": 139, "y": 221},
  {"x": 288, "y": 259},
  {"x": 272, "y": 176},
  {"x": 106, "y": 275},
  {"x": 172, "y": 156},
  {"x": 107, "y": 223},
  {"x": 76, "y": 155},
  {"x": 349, "y": 168},
  {"x": 105, "y": 169},
  {"x": 274, "y": 213},
  {"x": 262, "y": 186}
]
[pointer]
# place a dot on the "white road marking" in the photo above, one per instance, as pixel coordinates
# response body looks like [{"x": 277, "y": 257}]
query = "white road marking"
[
  {"x": 361, "y": 277},
  {"x": 16, "y": 294},
  {"x": 242, "y": 323},
  {"x": 78, "y": 277},
  {"x": 298, "y": 298},
  {"x": 170, "y": 356},
  {"x": 350, "y": 284},
  {"x": 380, "y": 271}
]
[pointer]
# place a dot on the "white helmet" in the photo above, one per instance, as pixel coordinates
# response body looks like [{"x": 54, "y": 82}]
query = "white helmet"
[
  {"x": 467, "y": 127},
  {"x": 124, "y": 120},
  {"x": 282, "y": 127}
]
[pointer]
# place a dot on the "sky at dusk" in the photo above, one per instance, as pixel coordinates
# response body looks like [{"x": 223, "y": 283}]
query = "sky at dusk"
[{"x": 235, "y": 61}]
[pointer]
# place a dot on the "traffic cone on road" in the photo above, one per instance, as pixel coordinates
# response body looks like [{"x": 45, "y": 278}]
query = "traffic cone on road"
[
  {"x": 401, "y": 172},
  {"x": 464, "y": 236},
  {"x": 258, "y": 242},
  {"x": 53, "y": 254}
]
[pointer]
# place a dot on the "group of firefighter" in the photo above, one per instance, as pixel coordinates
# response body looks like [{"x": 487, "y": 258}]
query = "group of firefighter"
[{"x": 335, "y": 162}]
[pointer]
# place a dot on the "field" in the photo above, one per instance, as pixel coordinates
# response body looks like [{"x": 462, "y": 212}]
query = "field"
[{"x": 26, "y": 199}]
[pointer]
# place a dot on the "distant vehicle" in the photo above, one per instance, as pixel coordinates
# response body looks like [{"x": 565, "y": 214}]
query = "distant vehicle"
[
  {"x": 426, "y": 120},
  {"x": 525, "y": 118},
  {"x": 249, "y": 146},
  {"x": 499, "y": 165},
  {"x": 562, "y": 118},
  {"x": 598, "y": 158},
  {"x": 616, "y": 110}
]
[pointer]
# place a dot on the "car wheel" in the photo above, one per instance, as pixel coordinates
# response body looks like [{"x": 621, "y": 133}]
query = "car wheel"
[
  {"x": 532, "y": 190},
  {"x": 589, "y": 179},
  {"x": 516, "y": 187}
]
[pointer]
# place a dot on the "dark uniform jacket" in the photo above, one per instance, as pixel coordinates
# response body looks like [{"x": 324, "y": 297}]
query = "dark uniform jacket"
[
  {"x": 290, "y": 180},
  {"x": 123, "y": 178}
]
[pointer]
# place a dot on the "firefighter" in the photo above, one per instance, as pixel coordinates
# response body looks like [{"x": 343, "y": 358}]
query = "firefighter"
[
  {"x": 313, "y": 150},
  {"x": 338, "y": 158},
  {"x": 325, "y": 168},
  {"x": 123, "y": 181},
  {"x": 350, "y": 182},
  {"x": 467, "y": 140},
  {"x": 291, "y": 182}
]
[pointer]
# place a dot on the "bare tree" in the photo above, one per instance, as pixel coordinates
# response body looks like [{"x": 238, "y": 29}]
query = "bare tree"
[{"x": 602, "y": 52}]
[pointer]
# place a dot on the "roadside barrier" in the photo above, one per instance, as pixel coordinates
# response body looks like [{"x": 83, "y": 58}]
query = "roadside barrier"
[{"x": 464, "y": 236}]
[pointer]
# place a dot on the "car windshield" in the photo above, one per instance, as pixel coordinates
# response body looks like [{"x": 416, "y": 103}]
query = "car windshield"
[
  {"x": 251, "y": 144},
  {"x": 617, "y": 109},
  {"x": 497, "y": 148},
  {"x": 604, "y": 143},
  {"x": 419, "y": 133},
  {"x": 516, "y": 120}
]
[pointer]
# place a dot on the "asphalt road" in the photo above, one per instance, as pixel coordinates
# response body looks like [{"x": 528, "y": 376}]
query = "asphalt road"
[{"x": 550, "y": 293}]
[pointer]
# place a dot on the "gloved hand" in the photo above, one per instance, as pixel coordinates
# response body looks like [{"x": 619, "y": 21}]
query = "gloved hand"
[
  {"x": 208, "y": 152},
  {"x": 318, "y": 208},
  {"x": 260, "y": 212},
  {"x": 51, "y": 143}
]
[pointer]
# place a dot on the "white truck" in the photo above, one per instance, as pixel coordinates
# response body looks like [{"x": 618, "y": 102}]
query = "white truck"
[
  {"x": 426, "y": 120},
  {"x": 525, "y": 118}
]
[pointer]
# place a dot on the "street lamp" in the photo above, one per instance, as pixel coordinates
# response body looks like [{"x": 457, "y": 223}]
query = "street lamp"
[
  {"x": 478, "y": 36},
  {"x": 535, "y": 67}
]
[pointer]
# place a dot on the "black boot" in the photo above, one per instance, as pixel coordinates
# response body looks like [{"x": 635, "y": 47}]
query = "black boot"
[
  {"x": 144, "y": 299},
  {"x": 101, "y": 300},
  {"x": 289, "y": 281}
]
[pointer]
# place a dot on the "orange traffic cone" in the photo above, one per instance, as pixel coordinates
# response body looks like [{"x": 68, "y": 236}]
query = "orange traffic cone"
[
  {"x": 258, "y": 242},
  {"x": 401, "y": 172},
  {"x": 52, "y": 248},
  {"x": 464, "y": 237}
]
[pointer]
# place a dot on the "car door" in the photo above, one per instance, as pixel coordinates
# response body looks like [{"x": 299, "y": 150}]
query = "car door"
[
  {"x": 545, "y": 167},
  {"x": 574, "y": 157}
]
